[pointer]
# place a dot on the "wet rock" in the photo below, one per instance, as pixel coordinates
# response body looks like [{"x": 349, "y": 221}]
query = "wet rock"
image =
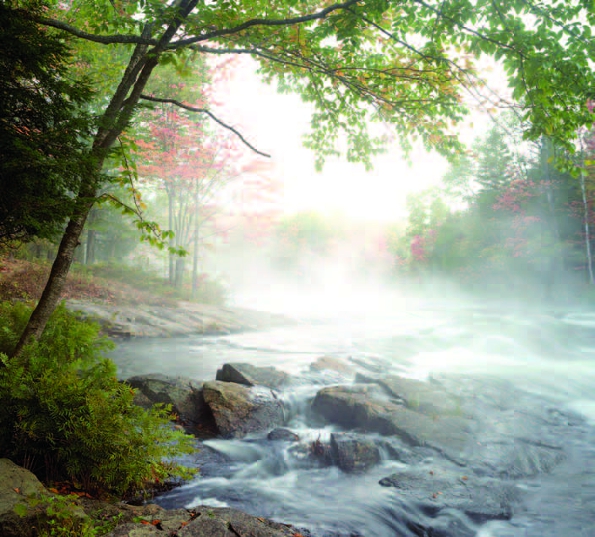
[
  {"x": 366, "y": 406},
  {"x": 284, "y": 435},
  {"x": 184, "y": 394},
  {"x": 518, "y": 458},
  {"x": 438, "y": 485},
  {"x": 225, "y": 522},
  {"x": 250, "y": 375},
  {"x": 353, "y": 453},
  {"x": 239, "y": 410},
  {"x": 424, "y": 397},
  {"x": 329, "y": 363}
]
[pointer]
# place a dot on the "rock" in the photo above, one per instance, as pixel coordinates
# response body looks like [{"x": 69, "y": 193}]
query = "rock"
[
  {"x": 353, "y": 453},
  {"x": 16, "y": 486},
  {"x": 422, "y": 397},
  {"x": 365, "y": 406},
  {"x": 202, "y": 522},
  {"x": 131, "y": 529},
  {"x": 184, "y": 394},
  {"x": 283, "y": 435},
  {"x": 329, "y": 363},
  {"x": 517, "y": 458},
  {"x": 250, "y": 375},
  {"x": 225, "y": 522},
  {"x": 239, "y": 410},
  {"x": 173, "y": 318},
  {"x": 438, "y": 485}
]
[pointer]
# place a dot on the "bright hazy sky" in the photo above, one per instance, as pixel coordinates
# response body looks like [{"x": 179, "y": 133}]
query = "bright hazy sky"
[{"x": 274, "y": 123}]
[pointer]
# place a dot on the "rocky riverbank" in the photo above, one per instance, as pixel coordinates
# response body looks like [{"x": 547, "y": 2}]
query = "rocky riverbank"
[
  {"x": 185, "y": 318},
  {"x": 469, "y": 445}
]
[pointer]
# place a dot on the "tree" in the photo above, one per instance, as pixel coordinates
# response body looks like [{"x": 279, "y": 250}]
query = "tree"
[
  {"x": 191, "y": 168},
  {"x": 42, "y": 125},
  {"x": 404, "y": 63}
]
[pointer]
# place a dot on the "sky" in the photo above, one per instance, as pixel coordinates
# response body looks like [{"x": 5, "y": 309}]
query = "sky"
[{"x": 275, "y": 124}]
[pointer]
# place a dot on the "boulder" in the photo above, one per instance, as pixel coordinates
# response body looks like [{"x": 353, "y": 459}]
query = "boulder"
[
  {"x": 283, "y": 435},
  {"x": 239, "y": 410},
  {"x": 17, "y": 485},
  {"x": 353, "y": 453},
  {"x": 184, "y": 394},
  {"x": 438, "y": 485},
  {"x": 250, "y": 375},
  {"x": 367, "y": 407}
]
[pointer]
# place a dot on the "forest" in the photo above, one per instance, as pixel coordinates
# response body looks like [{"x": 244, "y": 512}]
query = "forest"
[{"x": 122, "y": 167}]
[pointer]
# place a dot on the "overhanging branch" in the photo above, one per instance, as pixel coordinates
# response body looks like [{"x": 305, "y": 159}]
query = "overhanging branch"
[
  {"x": 264, "y": 22},
  {"x": 103, "y": 39},
  {"x": 138, "y": 40},
  {"x": 208, "y": 113}
]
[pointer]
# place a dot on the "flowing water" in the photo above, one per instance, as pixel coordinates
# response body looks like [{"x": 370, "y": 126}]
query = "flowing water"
[{"x": 548, "y": 355}]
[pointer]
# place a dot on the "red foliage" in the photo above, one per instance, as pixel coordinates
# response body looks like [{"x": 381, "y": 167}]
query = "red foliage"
[{"x": 515, "y": 195}]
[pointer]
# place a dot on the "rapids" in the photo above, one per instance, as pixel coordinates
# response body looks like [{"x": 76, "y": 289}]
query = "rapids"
[{"x": 547, "y": 354}]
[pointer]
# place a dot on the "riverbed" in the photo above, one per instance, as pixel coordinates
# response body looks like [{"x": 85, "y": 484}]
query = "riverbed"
[{"x": 543, "y": 358}]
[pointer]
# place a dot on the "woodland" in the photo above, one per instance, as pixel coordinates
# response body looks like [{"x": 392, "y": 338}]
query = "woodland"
[{"x": 111, "y": 143}]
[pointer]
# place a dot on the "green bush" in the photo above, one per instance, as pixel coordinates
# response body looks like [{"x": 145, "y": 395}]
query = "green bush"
[{"x": 66, "y": 416}]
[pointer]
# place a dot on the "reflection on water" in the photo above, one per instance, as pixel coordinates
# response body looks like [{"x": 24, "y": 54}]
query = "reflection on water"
[{"x": 549, "y": 355}]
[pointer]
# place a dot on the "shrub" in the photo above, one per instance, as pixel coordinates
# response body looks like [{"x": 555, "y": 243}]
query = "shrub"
[{"x": 66, "y": 416}]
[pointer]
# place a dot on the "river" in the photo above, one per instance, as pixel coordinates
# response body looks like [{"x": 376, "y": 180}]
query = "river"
[{"x": 547, "y": 354}]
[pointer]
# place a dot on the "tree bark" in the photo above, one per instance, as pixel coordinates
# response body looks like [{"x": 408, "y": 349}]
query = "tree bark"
[
  {"x": 172, "y": 279},
  {"x": 587, "y": 232},
  {"x": 195, "y": 249},
  {"x": 90, "y": 257},
  {"x": 57, "y": 279}
]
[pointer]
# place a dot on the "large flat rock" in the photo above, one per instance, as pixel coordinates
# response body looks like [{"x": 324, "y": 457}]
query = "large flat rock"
[
  {"x": 141, "y": 320},
  {"x": 425, "y": 397},
  {"x": 366, "y": 407},
  {"x": 438, "y": 485}
]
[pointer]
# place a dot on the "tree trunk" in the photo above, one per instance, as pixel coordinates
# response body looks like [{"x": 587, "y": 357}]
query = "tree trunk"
[
  {"x": 57, "y": 279},
  {"x": 587, "y": 232},
  {"x": 195, "y": 248},
  {"x": 172, "y": 278},
  {"x": 90, "y": 257},
  {"x": 180, "y": 267}
]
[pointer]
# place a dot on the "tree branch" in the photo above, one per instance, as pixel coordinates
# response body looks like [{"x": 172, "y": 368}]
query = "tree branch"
[
  {"x": 208, "y": 113},
  {"x": 264, "y": 22},
  {"x": 103, "y": 39},
  {"x": 139, "y": 40}
]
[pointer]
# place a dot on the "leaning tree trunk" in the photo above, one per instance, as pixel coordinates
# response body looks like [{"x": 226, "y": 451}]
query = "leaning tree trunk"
[
  {"x": 57, "y": 279},
  {"x": 115, "y": 119}
]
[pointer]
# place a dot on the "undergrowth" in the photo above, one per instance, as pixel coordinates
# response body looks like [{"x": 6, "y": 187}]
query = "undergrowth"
[{"x": 66, "y": 417}]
